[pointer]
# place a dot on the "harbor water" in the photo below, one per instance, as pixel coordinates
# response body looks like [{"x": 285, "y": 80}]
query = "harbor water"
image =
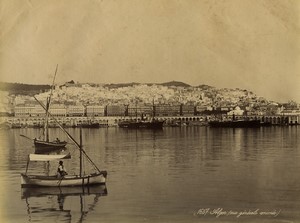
[{"x": 178, "y": 174}]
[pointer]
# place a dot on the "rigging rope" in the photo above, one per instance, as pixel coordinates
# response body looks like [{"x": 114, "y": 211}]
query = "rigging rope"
[{"x": 68, "y": 134}]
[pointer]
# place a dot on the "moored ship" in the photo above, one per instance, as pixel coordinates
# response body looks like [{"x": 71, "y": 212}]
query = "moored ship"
[
  {"x": 89, "y": 125},
  {"x": 236, "y": 123},
  {"x": 149, "y": 124}
]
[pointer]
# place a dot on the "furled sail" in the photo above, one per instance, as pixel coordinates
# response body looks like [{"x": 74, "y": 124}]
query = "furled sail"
[{"x": 42, "y": 157}]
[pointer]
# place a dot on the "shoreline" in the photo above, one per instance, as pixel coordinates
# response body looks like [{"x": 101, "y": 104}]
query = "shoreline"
[{"x": 112, "y": 121}]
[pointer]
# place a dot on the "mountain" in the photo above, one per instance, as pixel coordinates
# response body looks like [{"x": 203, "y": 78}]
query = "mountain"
[{"x": 175, "y": 84}]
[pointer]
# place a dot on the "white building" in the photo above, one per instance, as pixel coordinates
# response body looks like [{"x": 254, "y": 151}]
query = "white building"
[
  {"x": 29, "y": 111},
  {"x": 58, "y": 110}
]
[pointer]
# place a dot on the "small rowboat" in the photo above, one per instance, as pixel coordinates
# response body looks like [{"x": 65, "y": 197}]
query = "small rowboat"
[{"x": 68, "y": 180}]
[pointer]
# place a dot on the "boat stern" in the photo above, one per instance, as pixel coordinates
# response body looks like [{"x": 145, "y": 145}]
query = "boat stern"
[{"x": 24, "y": 180}]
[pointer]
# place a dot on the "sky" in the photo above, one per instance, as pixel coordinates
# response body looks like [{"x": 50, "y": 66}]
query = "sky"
[{"x": 248, "y": 44}]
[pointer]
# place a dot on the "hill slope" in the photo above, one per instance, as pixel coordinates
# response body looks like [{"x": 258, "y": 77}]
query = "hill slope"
[{"x": 23, "y": 89}]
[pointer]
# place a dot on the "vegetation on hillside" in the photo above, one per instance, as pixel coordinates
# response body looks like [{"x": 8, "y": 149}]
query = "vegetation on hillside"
[{"x": 23, "y": 89}]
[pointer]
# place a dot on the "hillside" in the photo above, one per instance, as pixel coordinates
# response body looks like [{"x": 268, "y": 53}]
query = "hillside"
[
  {"x": 175, "y": 84},
  {"x": 30, "y": 89},
  {"x": 173, "y": 92},
  {"x": 23, "y": 89}
]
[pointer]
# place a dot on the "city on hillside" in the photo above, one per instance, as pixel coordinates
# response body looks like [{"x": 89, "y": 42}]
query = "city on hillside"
[{"x": 162, "y": 100}]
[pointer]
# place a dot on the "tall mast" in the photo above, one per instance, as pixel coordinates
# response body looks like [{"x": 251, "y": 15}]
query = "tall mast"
[
  {"x": 46, "y": 131},
  {"x": 153, "y": 109},
  {"x": 68, "y": 134},
  {"x": 136, "y": 112},
  {"x": 80, "y": 153},
  {"x": 48, "y": 102}
]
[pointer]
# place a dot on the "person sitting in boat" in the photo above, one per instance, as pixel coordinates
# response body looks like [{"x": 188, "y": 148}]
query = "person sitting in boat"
[
  {"x": 57, "y": 140},
  {"x": 61, "y": 171}
]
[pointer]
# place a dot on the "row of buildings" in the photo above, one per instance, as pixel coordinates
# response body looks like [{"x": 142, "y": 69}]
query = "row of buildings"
[
  {"x": 146, "y": 110},
  {"x": 59, "y": 110}
]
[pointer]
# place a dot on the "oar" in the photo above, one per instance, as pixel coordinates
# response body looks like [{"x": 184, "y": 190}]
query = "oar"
[{"x": 26, "y": 137}]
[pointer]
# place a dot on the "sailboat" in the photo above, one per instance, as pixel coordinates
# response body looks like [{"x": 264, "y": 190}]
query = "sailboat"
[
  {"x": 80, "y": 179},
  {"x": 44, "y": 145}
]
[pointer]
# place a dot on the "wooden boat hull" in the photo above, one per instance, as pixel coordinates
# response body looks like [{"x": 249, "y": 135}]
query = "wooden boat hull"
[
  {"x": 43, "y": 146},
  {"x": 40, "y": 143},
  {"x": 66, "y": 181}
]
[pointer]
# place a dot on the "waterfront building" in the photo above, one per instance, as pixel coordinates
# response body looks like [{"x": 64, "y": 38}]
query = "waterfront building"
[
  {"x": 292, "y": 112},
  {"x": 29, "y": 111},
  {"x": 187, "y": 110},
  {"x": 95, "y": 110},
  {"x": 167, "y": 110},
  {"x": 75, "y": 110},
  {"x": 200, "y": 109},
  {"x": 140, "y": 110},
  {"x": 58, "y": 110},
  {"x": 115, "y": 110}
]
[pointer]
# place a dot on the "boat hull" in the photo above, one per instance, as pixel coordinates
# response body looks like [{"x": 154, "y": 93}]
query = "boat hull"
[
  {"x": 142, "y": 124},
  {"x": 66, "y": 181},
  {"x": 236, "y": 124},
  {"x": 44, "y": 146},
  {"x": 28, "y": 192},
  {"x": 90, "y": 125}
]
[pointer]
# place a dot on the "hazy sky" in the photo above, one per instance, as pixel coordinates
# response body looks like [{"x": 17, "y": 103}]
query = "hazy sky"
[{"x": 249, "y": 44}]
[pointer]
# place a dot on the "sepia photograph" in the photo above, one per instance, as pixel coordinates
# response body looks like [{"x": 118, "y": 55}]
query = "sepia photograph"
[{"x": 156, "y": 111}]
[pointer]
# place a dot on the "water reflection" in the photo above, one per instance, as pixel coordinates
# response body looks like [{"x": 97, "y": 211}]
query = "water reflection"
[
  {"x": 61, "y": 203},
  {"x": 165, "y": 176}
]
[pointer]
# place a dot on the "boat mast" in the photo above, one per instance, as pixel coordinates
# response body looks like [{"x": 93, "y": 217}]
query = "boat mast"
[
  {"x": 68, "y": 134},
  {"x": 136, "y": 116},
  {"x": 46, "y": 132},
  {"x": 46, "y": 129},
  {"x": 153, "y": 109},
  {"x": 80, "y": 153}
]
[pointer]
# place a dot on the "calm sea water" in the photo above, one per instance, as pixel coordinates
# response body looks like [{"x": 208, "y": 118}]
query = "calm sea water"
[{"x": 186, "y": 174}]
